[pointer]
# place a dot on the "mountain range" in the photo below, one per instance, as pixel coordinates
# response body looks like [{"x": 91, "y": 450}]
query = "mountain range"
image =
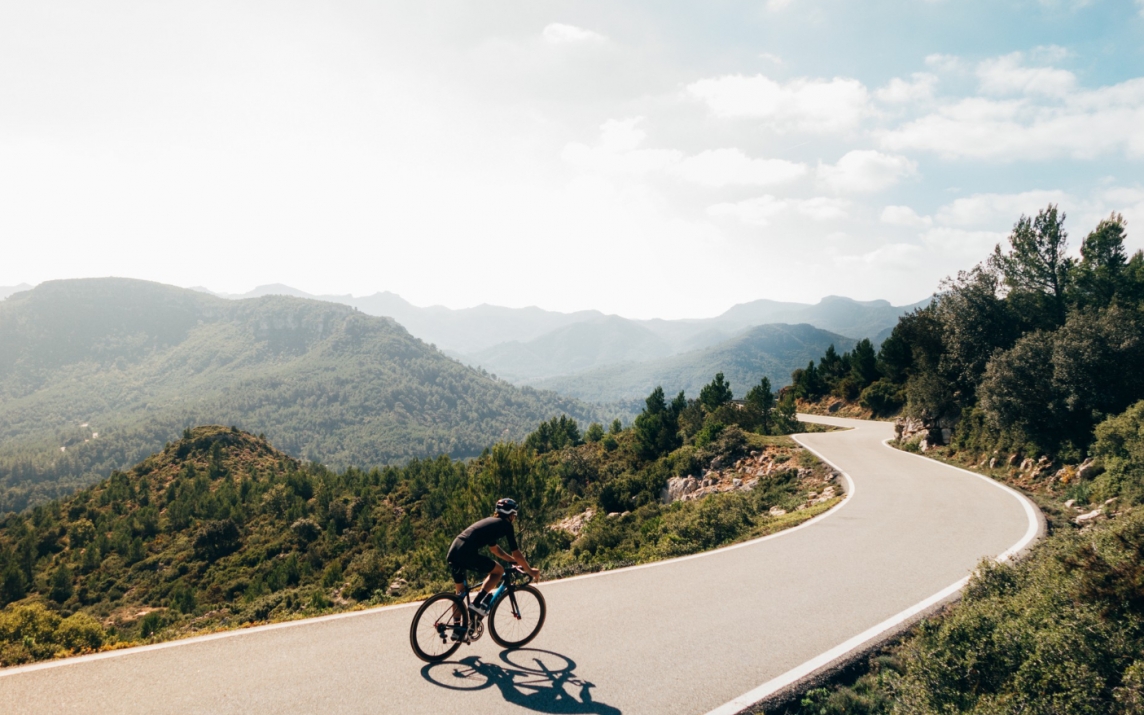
[
  {"x": 771, "y": 351},
  {"x": 532, "y": 345},
  {"x": 97, "y": 373}
]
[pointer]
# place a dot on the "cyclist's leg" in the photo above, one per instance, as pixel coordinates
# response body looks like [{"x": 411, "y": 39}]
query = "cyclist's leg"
[
  {"x": 494, "y": 570},
  {"x": 458, "y": 572}
]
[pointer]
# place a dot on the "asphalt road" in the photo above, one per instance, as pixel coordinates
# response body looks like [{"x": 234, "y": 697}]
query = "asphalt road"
[{"x": 690, "y": 635}]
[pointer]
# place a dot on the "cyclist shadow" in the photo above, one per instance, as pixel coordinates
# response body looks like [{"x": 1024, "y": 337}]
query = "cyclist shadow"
[{"x": 531, "y": 678}]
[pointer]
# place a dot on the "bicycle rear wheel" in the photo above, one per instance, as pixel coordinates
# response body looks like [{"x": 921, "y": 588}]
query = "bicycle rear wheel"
[
  {"x": 517, "y": 617},
  {"x": 433, "y": 627}
]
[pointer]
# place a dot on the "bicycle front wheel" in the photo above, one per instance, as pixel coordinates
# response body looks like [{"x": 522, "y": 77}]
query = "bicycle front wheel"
[
  {"x": 438, "y": 622},
  {"x": 517, "y": 617}
]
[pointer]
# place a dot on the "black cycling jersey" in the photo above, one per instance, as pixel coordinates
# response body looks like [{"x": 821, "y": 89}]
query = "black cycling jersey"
[{"x": 486, "y": 532}]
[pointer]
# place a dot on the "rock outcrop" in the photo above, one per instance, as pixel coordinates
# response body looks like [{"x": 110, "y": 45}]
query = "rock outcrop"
[
  {"x": 574, "y": 524},
  {"x": 933, "y": 433},
  {"x": 745, "y": 474}
]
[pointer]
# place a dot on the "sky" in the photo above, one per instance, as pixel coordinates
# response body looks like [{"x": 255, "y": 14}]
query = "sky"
[{"x": 650, "y": 159}]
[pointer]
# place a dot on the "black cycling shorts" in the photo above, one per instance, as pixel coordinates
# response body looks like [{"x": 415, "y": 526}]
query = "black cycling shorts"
[{"x": 462, "y": 561}]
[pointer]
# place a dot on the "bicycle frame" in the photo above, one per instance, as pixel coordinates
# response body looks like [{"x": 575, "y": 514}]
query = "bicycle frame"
[{"x": 510, "y": 575}]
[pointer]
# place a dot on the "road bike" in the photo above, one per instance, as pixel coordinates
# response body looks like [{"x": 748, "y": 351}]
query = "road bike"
[{"x": 444, "y": 622}]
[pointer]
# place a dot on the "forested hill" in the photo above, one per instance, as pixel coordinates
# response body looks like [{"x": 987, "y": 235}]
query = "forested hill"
[
  {"x": 96, "y": 374},
  {"x": 770, "y": 351}
]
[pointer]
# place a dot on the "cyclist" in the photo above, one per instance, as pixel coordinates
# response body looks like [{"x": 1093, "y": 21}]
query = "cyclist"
[{"x": 463, "y": 554}]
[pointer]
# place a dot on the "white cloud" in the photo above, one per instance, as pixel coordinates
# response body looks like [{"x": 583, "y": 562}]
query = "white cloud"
[
  {"x": 809, "y": 105},
  {"x": 823, "y": 208},
  {"x": 961, "y": 246},
  {"x": 1123, "y": 194},
  {"x": 894, "y": 256},
  {"x": 1141, "y": 4},
  {"x": 770, "y": 57},
  {"x": 755, "y": 212},
  {"x": 943, "y": 63},
  {"x": 561, "y": 34},
  {"x": 761, "y": 210},
  {"x": 1008, "y": 75},
  {"x": 919, "y": 87},
  {"x": 621, "y": 134},
  {"x": 618, "y": 151},
  {"x": 1082, "y": 124},
  {"x": 997, "y": 209},
  {"x": 1051, "y": 53},
  {"x": 865, "y": 170},
  {"x": 904, "y": 216},
  {"x": 721, "y": 167},
  {"x": 777, "y": 5}
]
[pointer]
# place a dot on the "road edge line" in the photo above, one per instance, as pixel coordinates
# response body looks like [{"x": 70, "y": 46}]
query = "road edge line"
[
  {"x": 1035, "y": 529},
  {"x": 1036, "y": 519},
  {"x": 219, "y": 635},
  {"x": 808, "y": 668}
]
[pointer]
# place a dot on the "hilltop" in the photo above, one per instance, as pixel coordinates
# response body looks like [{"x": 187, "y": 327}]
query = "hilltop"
[{"x": 96, "y": 374}]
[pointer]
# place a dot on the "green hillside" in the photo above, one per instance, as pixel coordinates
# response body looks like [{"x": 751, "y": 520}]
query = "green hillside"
[
  {"x": 96, "y": 374},
  {"x": 219, "y": 529},
  {"x": 770, "y": 351}
]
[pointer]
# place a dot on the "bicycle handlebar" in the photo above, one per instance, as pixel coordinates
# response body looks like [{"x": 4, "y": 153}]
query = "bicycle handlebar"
[{"x": 516, "y": 574}]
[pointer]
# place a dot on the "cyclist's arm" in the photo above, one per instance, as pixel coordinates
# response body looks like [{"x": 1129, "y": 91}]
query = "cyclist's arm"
[{"x": 516, "y": 557}]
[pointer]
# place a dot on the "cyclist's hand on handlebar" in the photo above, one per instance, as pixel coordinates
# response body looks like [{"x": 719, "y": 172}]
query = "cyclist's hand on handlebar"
[{"x": 534, "y": 573}]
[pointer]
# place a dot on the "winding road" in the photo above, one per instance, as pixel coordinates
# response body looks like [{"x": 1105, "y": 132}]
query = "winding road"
[{"x": 710, "y": 633}]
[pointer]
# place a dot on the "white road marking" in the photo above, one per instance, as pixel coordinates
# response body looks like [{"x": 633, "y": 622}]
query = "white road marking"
[{"x": 809, "y": 667}]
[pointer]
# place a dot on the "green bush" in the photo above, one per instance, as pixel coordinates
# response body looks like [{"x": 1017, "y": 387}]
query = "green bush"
[
  {"x": 882, "y": 397},
  {"x": 79, "y": 632},
  {"x": 32, "y": 632},
  {"x": 1120, "y": 447}
]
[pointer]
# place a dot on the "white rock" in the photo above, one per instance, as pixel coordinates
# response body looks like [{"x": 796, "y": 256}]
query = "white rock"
[
  {"x": 1094, "y": 514},
  {"x": 1087, "y": 469}
]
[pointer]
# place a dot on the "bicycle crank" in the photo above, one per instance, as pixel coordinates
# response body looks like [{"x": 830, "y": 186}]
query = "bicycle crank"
[{"x": 476, "y": 630}]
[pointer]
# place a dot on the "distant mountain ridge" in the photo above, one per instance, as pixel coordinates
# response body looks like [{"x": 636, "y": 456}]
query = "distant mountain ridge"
[
  {"x": 97, "y": 373},
  {"x": 530, "y": 345},
  {"x": 6, "y": 291},
  {"x": 460, "y": 331},
  {"x": 771, "y": 351},
  {"x": 845, "y": 316}
]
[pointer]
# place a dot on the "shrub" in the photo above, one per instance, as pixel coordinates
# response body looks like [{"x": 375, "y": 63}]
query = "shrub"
[
  {"x": 150, "y": 624},
  {"x": 1120, "y": 446},
  {"x": 882, "y": 397},
  {"x": 216, "y": 539},
  {"x": 306, "y": 530},
  {"x": 32, "y": 632},
  {"x": 79, "y": 632},
  {"x": 369, "y": 573},
  {"x": 709, "y": 433}
]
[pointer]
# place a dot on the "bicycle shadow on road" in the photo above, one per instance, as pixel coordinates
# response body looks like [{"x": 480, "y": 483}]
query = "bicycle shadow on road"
[{"x": 531, "y": 678}]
